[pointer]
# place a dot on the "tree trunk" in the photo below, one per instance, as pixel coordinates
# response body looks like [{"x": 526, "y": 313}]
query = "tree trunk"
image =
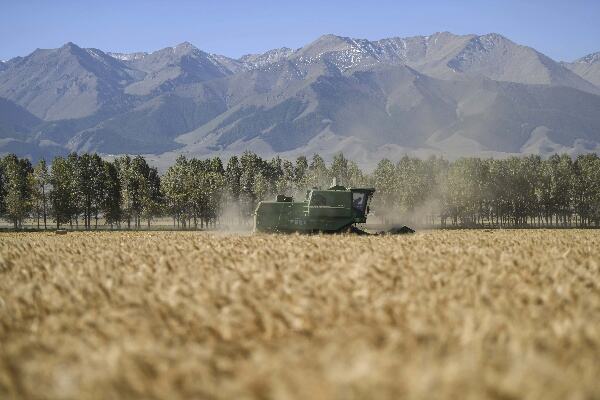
[{"x": 44, "y": 204}]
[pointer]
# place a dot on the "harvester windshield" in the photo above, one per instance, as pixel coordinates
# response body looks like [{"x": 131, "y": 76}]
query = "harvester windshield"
[{"x": 359, "y": 201}]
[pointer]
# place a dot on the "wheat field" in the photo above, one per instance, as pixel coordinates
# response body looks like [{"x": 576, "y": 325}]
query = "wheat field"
[{"x": 191, "y": 315}]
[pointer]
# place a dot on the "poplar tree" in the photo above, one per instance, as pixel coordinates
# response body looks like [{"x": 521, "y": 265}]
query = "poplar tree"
[
  {"x": 18, "y": 186},
  {"x": 110, "y": 200},
  {"x": 62, "y": 197},
  {"x": 41, "y": 188}
]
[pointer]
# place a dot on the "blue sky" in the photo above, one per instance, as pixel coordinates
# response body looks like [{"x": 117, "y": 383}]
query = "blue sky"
[{"x": 564, "y": 30}]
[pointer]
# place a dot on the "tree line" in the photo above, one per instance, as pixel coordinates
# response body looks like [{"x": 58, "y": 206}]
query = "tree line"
[{"x": 85, "y": 191}]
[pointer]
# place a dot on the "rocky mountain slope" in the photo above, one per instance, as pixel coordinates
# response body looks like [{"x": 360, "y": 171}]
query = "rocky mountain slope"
[
  {"x": 587, "y": 67},
  {"x": 440, "y": 94},
  {"x": 65, "y": 83},
  {"x": 447, "y": 56}
]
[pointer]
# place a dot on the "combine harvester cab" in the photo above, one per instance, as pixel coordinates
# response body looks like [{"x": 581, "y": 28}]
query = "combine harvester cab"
[{"x": 334, "y": 210}]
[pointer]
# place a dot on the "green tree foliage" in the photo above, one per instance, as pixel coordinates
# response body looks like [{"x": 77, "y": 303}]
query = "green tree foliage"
[
  {"x": 356, "y": 178},
  {"x": 17, "y": 188},
  {"x": 233, "y": 174},
  {"x": 41, "y": 179},
  {"x": 151, "y": 194},
  {"x": 586, "y": 189},
  {"x": 285, "y": 183},
  {"x": 252, "y": 167},
  {"x": 471, "y": 192},
  {"x": 260, "y": 187},
  {"x": 62, "y": 196},
  {"x": 174, "y": 186},
  {"x": 194, "y": 191},
  {"x": 339, "y": 169},
  {"x": 140, "y": 190},
  {"x": 318, "y": 174},
  {"x": 75, "y": 187},
  {"x": 465, "y": 190},
  {"x": 110, "y": 200},
  {"x": 384, "y": 179},
  {"x": 301, "y": 175},
  {"x": 2, "y": 188},
  {"x": 90, "y": 180}
]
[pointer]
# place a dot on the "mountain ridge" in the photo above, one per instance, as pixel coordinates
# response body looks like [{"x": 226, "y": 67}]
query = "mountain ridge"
[
  {"x": 588, "y": 67},
  {"x": 441, "y": 93}
]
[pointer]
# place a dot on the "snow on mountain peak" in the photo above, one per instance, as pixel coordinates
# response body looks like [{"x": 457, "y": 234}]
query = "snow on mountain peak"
[
  {"x": 590, "y": 58},
  {"x": 254, "y": 61},
  {"x": 94, "y": 53},
  {"x": 128, "y": 56}
]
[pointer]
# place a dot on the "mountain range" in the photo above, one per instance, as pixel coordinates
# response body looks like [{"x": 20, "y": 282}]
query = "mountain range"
[{"x": 446, "y": 94}]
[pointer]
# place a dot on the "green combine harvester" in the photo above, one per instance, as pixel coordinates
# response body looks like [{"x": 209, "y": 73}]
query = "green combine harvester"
[{"x": 335, "y": 210}]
